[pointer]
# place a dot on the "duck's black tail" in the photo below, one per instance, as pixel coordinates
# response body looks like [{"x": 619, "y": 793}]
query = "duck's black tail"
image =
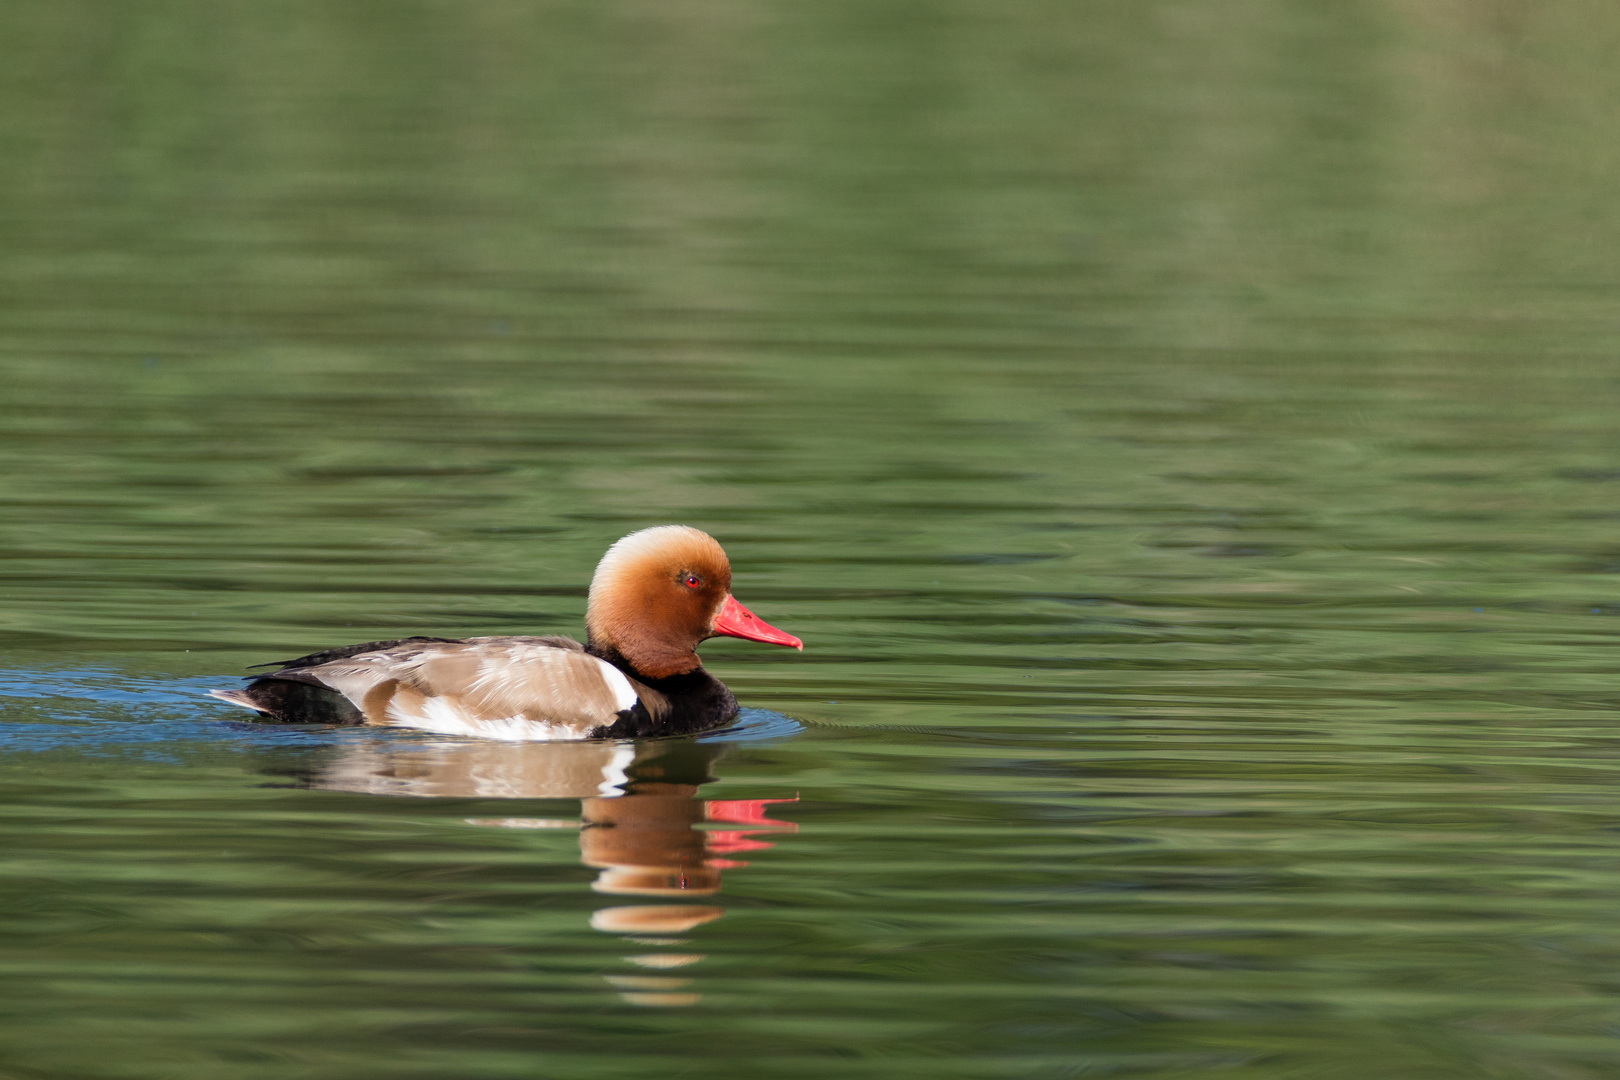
[{"x": 293, "y": 702}]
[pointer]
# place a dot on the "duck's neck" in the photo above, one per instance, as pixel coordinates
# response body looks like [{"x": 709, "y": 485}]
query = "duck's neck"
[{"x": 650, "y": 665}]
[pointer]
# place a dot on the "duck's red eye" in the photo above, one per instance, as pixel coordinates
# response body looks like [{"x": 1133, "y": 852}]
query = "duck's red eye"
[{"x": 692, "y": 581}]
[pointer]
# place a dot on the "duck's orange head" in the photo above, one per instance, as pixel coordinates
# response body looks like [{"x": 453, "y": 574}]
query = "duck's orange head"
[{"x": 657, "y": 593}]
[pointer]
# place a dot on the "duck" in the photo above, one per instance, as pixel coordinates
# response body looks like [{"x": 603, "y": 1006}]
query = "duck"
[{"x": 655, "y": 596}]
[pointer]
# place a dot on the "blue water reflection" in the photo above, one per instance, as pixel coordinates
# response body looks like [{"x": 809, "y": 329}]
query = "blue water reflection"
[
  {"x": 640, "y": 823},
  {"x": 91, "y": 709}
]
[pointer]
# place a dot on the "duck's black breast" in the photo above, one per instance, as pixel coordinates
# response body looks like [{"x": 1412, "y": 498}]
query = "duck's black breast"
[{"x": 693, "y": 702}]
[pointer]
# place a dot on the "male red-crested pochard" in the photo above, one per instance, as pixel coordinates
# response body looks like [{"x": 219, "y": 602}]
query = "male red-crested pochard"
[{"x": 655, "y": 595}]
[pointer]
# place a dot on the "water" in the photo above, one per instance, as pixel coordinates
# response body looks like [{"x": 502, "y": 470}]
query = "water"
[{"x": 1184, "y": 438}]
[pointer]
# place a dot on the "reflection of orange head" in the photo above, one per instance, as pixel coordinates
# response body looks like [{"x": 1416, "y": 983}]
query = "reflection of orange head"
[
  {"x": 658, "y": 881},
  {"x": 653, "y": 918},
  {"x": 645, "y": 843}
]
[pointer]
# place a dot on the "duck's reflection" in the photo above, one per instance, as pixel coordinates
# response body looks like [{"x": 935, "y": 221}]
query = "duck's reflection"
[{"x": 641, "y": 825}]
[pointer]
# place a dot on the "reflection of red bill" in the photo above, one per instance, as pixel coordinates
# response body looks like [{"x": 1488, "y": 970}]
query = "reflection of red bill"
[
  {"x": 731, "y": 841},
  {"x": 747, "y": 812}
]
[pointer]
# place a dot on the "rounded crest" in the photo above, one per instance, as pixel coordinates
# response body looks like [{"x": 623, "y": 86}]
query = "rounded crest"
[{"x": 654, "y": 596}]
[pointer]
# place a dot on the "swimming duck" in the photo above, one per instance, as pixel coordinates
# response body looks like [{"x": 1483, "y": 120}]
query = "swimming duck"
[{"x": 655, "y": 595}]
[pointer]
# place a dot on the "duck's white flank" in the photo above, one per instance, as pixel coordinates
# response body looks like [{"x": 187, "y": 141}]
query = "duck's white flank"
[{"x": 444, "y": 716}]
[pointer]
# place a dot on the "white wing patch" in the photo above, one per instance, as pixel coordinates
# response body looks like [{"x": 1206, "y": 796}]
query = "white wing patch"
[{"x": 624, "y": 695}]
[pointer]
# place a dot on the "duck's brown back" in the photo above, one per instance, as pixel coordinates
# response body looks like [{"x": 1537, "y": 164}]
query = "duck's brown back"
[{"x": 495, "y": 687}]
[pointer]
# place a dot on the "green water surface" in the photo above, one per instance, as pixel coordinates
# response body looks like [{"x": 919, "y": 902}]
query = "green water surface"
[{"x": 1184, "y": 434}]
